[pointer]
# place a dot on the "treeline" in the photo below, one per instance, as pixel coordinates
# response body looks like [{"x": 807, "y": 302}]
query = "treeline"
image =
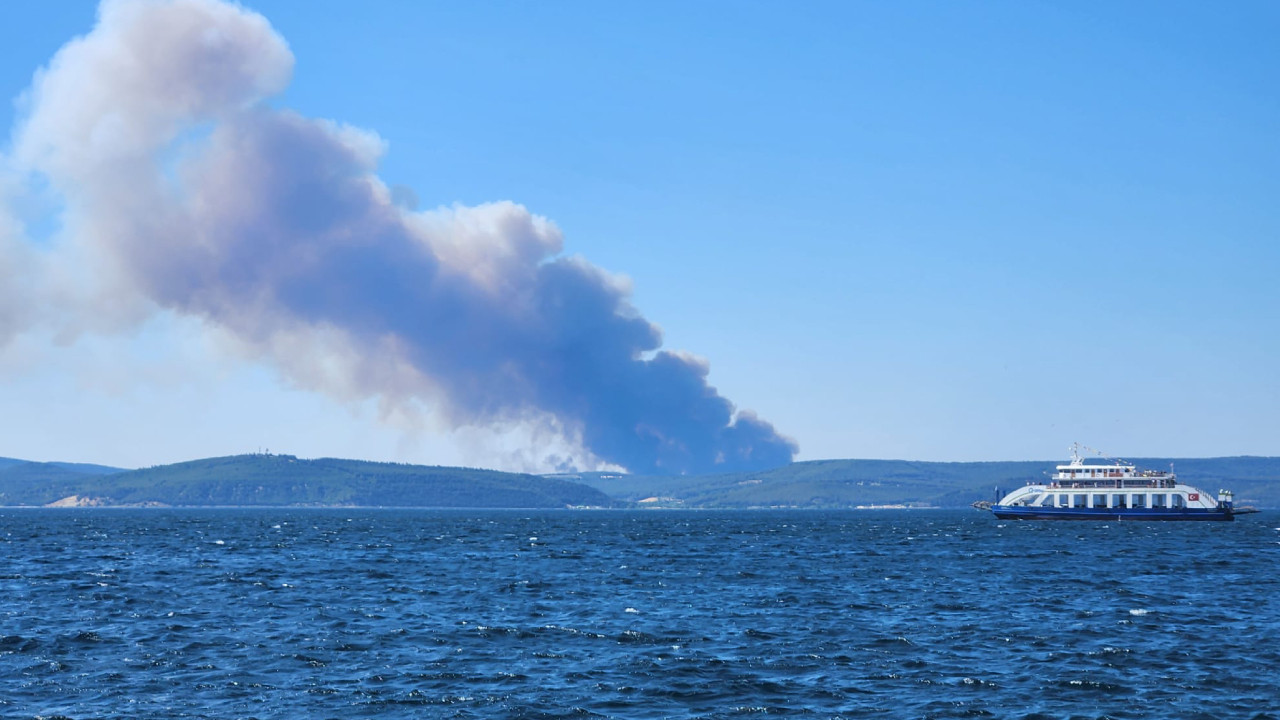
[
  {"x": 851, "y": 483},
  {"x": 284, "y": 480}
]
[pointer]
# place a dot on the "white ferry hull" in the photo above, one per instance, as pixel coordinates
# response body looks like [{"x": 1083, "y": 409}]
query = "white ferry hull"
[
  {"x": 1021, "y": 512},
  {"x": 1117, "y": 490}
]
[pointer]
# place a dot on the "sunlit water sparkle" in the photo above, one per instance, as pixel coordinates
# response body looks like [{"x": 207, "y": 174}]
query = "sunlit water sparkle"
[{"x": 283, "y": 613}]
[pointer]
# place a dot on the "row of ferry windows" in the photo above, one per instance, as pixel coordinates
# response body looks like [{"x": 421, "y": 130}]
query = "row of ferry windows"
[{"x": 1115, "y": 500}]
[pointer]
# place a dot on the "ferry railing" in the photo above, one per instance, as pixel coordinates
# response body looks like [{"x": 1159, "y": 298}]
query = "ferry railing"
[{"x": 1135, "y": 481}]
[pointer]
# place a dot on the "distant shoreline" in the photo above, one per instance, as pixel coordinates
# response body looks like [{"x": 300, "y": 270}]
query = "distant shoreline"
[{"x": 285, "y": 481}]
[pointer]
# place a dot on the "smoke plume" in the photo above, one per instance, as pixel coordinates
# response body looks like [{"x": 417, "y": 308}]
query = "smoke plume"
[{"x": 183, "y": 187}]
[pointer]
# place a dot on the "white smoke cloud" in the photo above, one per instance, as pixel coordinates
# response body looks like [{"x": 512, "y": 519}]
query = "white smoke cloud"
[
  {"x": 16, "y": 299},
  {"x": 148, "y": 69},
  {"x": 184, "y": 192}
]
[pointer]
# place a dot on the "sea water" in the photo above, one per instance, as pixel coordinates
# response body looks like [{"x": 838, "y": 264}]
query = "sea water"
[{"x": 357, "y": 613}]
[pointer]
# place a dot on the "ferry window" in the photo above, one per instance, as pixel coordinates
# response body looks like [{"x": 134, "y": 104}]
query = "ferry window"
[
  {"x": 1031, "y": 499},
  {"x": 1178, "y": 500},
  {"x": 1080, "y": 500},
  {"x": 1157, "y": 500},
  {"x": 1063, "y": 500},
  {"x": 1139, "y": 500},
  {"x": 1100, "y": 500},
  {"x": 1117, "y": 501},
  {"x": 1047, "y": 502}
]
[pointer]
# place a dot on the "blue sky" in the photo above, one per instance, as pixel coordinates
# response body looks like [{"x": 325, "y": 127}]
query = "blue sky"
[{"x": 933, "y": 231}]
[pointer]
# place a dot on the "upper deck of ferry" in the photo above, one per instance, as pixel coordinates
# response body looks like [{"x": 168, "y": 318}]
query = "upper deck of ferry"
[{"x": 1077, "y": 474}]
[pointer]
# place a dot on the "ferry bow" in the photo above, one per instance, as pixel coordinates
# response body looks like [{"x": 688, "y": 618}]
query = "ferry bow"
[{"x": 1109, "y": 489}]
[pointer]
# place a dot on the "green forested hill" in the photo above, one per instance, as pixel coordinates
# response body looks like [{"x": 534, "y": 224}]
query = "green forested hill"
[
  {"x": 286, "y": 480},
  {"x": 84, "y": 468},
  {"x": 849, "y": 483},
  {"x": 30, "y": 483},
  {"x": 826, "y": 483}
]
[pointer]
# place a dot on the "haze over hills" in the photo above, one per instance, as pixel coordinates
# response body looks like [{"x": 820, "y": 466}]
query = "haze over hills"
[{"x": 284, "y": 480}]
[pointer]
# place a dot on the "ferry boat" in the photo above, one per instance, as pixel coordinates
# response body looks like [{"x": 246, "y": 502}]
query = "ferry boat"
[{"x": 1109, "y": 489}]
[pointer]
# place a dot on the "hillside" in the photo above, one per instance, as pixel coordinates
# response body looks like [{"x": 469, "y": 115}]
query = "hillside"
[
  {"x": 82, "y": 468},
  {"x": 825, "y": 483},
  {"x": 281, "y": 480},
  {"x": 850, "y": 483}
]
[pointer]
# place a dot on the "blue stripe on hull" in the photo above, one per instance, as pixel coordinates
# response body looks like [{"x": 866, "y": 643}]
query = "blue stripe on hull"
[{"x": 1010, "y": 512}]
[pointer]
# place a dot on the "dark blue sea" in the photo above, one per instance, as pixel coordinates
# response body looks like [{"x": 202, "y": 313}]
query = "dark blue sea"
[{"x": 283, "y": 613}]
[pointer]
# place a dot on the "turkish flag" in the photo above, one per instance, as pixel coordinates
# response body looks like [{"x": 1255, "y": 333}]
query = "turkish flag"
[{"x": 1193, "y": 496}]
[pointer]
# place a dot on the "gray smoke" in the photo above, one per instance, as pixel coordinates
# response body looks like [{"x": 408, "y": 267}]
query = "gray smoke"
[{"x": 184, "y": 187}]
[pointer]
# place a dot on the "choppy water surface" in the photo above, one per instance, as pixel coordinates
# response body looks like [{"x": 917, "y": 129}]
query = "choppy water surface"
[{"x": 390, "y": 613}]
